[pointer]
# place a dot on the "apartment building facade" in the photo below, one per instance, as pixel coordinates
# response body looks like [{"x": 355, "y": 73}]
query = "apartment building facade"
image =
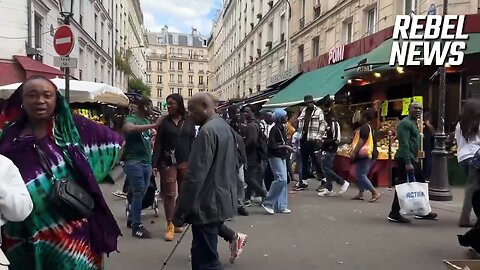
[
  {"x": 247, "y": 46},
  {"x": 316, "y": 27},
  {"x": 29, "y": 26},
  {"x": 130, "y": 43},
  {"x": 176, "y": 63}
]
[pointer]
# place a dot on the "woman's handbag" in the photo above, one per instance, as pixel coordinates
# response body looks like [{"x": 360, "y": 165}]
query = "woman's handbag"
[
  {"x": 67, "y": 195},
  {"x": 367, "y": 148}
]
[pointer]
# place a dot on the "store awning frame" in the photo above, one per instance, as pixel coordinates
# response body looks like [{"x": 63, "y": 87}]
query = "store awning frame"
[{"x": 318, "y": 83}]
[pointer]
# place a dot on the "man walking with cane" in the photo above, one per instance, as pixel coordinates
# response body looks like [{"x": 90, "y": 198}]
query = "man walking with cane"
[{"x": 208, "y": 195}]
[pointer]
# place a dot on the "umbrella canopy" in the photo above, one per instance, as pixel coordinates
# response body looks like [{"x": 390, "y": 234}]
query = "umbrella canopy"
[{"x": 80, "y": 92}]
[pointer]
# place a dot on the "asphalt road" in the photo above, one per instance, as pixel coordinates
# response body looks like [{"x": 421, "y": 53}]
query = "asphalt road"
[{"x": 321, "y": 233}]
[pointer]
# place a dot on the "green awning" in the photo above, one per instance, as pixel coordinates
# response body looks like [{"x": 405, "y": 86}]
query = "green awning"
[
  {"x": 378, "y": 59},
  {"x": 318, "y": 83}
]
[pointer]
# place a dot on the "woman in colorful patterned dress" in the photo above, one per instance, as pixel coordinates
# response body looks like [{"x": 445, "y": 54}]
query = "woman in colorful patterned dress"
[{"x": 79, "y": 150}]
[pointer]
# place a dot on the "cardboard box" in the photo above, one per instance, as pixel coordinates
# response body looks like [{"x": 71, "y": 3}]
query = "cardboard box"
[{"x": 462, "y": 264}]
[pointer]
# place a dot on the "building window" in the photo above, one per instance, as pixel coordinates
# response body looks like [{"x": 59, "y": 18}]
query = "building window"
[
  {"x": 172, "y": 51},
  {"x": 159, "y": 92},
  {"x": 175, "y": 39},
  {"x": 159, "y": 79},
  {"x": 95, "y": 26},
  {"x": 200, "y": 67},
  {"x": 180, "y": 66},
  {"x": 190, "y": 92},
  {"x": 190, "y": 79},
  {"x": 102, "y": 26},
  {"x": 38, "y": 31},
  {"x": 200, "y": 80},
  {"x": 149, "y": 65},
  {"x": 172, "y": 65},
  {"x": 179, "y": 91},
  {"x": 282, "y": 28},
  {"x": 172, "y": 78},
  {"x": 160, "y": 66},
  {"x": 172, "y": 91},
  {"x": 270, "y": 32},
  {"x": 281, "y": 65},
  {"x": 316, "y": 46},
  {"x": 190, "y": 54},
  {"x": 190, "y": 66},
  {"x": 149, "y": 78},
  {"x": 410, "y": 7},
  {"x": 371, "y": 21},
  {"x": 347, "y": 32},
  {"x": 300, "y": 55},
  {"x": 80, "y": 13},
  {"x": 180, "y": 78},
  {"x": 201, "y": 54},
  {"x": 80, "y": 74},
  {"x": 180, "y": 52}
]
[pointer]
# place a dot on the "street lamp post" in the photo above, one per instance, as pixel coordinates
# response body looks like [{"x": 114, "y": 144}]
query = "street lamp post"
[
  {"x": 439, "y": 189},
  {"x": 66, "y": 11}
]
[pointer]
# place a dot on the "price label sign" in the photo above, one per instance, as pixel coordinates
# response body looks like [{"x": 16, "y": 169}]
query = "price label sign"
[
  {"x": 384, "y": 109},
  {"x": 418, "y": 99},
  {"x": 406, "y": 105}
]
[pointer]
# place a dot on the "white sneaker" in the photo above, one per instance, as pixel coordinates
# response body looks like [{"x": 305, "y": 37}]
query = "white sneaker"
[
  {"x": 268, "y": 209},
  {"x": 344, "y": 187},
  {"x": 286, "y": 211},
  {"x": 326, "y": 193}
]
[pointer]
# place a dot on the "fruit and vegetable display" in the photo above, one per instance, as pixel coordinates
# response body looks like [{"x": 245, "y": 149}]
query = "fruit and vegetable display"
[{"x": 92, "y": 115}]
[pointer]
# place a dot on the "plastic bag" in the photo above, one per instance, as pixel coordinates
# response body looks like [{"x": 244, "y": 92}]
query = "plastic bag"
[{"x": 413, "y": 198}]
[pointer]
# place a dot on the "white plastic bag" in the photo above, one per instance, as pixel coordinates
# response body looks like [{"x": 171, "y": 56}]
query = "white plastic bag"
[{"x": 413, "y": 198}]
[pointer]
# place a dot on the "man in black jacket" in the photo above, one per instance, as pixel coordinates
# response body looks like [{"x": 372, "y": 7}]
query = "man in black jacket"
[
  {"x": 208, "y": 195},
  {"x": 254, "y": 160},
  {"x": 329, "y": 150}
]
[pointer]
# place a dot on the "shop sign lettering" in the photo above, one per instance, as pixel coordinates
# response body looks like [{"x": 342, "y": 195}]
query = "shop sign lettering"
[
  {"x": 366, "y": 68},
  {"x": 283, "y": 76},
  {"x": 336, "y": 55}
]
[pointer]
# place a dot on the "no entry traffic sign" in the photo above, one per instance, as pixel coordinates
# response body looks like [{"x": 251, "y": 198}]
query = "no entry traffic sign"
[{"x": 63, "y": 40}]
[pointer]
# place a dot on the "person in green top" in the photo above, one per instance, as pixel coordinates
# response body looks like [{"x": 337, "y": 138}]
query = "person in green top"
[
  {"x": 408, "y": 166},
  {"x": 138, "y": 161}
]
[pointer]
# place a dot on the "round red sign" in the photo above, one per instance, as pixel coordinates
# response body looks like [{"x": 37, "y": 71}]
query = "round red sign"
[{"x": 63, "y": 40}]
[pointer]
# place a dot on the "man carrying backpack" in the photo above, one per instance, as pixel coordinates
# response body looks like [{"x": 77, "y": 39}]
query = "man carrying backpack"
[{"x": 254, "y": 148}]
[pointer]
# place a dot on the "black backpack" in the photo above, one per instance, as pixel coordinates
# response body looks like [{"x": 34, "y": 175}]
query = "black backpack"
[{"x": 262, "y": 143}]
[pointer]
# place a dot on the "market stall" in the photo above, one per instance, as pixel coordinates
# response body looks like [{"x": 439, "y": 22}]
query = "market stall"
[{"x": 389, "y": 114}]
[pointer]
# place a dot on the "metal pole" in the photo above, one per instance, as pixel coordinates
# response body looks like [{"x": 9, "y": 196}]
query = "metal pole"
[
  {"x": 439, "y": 188},
  {"x": 287, "y": 36},
  {"x": 390, "y": 180},
  {"x": 67, "y": 69},
  {"x": 67, "y": 84}
]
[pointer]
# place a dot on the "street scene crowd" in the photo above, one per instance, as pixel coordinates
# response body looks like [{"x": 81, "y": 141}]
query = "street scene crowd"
[{"x": 211, "y": 167}]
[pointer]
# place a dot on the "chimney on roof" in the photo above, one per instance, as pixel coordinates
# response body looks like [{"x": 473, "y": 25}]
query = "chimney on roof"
[
  {"x": 194, "y": 31},
  {"x": 165, "y": 28}
]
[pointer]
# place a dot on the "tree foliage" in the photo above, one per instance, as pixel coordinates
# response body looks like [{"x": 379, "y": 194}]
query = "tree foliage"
[{"x": 137, "y": 86}]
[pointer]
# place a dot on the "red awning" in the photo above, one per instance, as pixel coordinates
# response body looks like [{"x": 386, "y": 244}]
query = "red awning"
[
  {"x": 23, "y": 67},
  {"x": 33, "y": 67},
  {"x": 11, "y": 72}
]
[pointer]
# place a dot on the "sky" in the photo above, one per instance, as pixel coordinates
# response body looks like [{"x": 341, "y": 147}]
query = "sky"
[{"x": 180, "y": 15}]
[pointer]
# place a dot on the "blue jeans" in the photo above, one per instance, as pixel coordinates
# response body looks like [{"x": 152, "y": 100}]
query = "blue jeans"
[
  {"x": 327, "y": 168},
  {"x": 277, "y": 197},
  {"x": 138, "y": 177},
  {"x": 362, "y": 167}
]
